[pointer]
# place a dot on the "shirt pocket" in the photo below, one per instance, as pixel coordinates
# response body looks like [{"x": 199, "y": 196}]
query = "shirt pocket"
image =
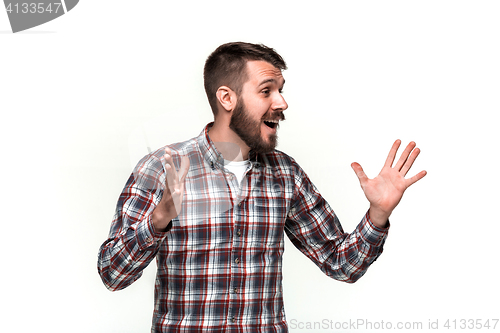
[{"x": 267, "y": 216}]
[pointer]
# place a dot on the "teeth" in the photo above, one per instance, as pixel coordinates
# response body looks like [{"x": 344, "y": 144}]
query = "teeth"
[{"x": 273, "y": 121}]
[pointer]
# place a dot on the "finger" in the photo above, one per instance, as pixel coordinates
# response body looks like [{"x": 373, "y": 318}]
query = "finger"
[
  {"x": 184, "y": 168},
  {"x": 408, "y": 164},
  {"x": 172, "y": 171},
  {"x": 392, "y": 153},
  {"x": 416, "y": 178},
  {"x": 169, "y": 181},
  {"x": 169, "y": 174},
  {"x": 359, "y": 172},
  {"x": 404, "y": 155}
]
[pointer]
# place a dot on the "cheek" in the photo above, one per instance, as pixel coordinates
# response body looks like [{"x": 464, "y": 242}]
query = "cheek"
[
  {"x": 257, "y": 107},
  {"x": 256, "y": 112},
  {"x": 261, "y": 109}
]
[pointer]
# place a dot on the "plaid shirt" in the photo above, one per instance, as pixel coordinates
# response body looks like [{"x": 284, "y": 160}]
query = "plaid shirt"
[{"x": 220, "y": 264}]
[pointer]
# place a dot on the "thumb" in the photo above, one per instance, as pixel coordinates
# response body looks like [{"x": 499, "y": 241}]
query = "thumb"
[{"x": 359, "y": 172}]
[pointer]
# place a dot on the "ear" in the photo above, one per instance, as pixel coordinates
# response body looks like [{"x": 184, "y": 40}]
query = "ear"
[{"x": 226, "y": 97}]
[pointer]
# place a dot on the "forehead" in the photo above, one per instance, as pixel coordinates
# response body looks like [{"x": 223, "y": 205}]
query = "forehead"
[{"x": 260, "y": 71}]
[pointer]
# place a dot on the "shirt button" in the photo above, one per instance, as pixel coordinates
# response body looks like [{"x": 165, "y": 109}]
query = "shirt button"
[
  {"x": 237, "y": 260},
  {"x": 238, "y": 233},
  {"x": 235, "y": 290},
  {"x": 233, "y": 319}
]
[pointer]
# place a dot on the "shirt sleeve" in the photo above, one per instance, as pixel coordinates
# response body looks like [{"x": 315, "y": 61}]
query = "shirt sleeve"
[
  {"x": 315, "y": 230},
  {"x": 133, "y": 241}
]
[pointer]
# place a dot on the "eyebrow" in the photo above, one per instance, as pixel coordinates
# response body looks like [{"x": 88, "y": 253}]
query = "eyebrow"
[{"x": 271, "y": 81}]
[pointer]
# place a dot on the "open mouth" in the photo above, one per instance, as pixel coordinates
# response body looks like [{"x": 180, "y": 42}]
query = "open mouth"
[{"x": 271, "y": 123}]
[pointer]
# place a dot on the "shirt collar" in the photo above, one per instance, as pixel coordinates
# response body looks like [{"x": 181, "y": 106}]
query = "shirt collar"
[{"x": 212, "y": 156}]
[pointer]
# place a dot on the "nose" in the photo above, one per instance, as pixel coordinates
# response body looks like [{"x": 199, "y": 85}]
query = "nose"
[{"x": 279, "y": 103}]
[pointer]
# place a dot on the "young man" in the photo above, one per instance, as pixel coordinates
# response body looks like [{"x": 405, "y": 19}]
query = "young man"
[{"x": 213, "y": 210}]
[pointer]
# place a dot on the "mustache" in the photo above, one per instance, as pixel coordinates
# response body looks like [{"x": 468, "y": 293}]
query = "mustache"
[{"x": 278, "y": 115}]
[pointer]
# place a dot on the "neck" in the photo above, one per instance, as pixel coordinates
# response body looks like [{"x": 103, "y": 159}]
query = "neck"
[{"x": 228, "y": 143}]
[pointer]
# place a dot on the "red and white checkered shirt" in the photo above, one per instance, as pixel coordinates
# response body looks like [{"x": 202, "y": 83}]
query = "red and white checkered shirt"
[{"x": 220, "y": 264}]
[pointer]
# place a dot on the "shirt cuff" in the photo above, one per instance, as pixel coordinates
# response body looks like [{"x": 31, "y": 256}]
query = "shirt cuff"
[
  {"x": 372, "y": 234},
  {"x": 147, "y": 236}
]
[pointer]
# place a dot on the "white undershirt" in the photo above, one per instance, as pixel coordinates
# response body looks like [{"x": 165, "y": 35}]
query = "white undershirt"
[{"x": 238, "y": 168}]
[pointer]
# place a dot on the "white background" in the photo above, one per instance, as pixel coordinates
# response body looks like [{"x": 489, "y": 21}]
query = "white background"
[{"x": 82, "y": 97}]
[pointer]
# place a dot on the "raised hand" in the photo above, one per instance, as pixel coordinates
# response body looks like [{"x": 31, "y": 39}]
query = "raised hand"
[
  {"x": 170, "y": 204},
  {"x": 385, "y": 191}
]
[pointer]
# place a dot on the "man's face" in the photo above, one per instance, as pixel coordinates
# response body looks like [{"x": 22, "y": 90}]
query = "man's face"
[{"x": 260, "y": 107}]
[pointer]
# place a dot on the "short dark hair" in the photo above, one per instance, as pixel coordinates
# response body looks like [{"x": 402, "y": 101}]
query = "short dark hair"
[{"x": 226, "y": 66}]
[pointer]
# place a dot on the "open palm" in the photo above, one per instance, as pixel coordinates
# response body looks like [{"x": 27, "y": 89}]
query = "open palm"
[
  {"x": 385, "y": 191},
  {"x": 170, "y": 204}
]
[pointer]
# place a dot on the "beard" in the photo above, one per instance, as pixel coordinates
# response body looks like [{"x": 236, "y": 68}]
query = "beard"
[{"x": 249, "y": 129}]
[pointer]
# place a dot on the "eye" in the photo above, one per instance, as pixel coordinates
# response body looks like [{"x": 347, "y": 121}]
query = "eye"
[{"x": 266, "y": 91}]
